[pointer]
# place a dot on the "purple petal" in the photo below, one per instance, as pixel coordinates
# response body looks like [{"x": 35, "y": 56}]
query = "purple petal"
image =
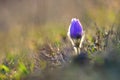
[{"x": 75, "y": 29}]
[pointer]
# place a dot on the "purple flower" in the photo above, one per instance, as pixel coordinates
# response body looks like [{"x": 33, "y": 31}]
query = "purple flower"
[{"x": 75, "y": 29}]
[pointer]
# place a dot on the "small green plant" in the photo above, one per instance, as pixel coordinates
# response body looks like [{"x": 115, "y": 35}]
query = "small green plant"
[{"x": 21, "y": 71}]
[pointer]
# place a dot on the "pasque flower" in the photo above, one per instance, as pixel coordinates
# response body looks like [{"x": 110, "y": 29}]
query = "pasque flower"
[
  {"x": 76, "y": 34},
  {"x": 75, "y": 29}
]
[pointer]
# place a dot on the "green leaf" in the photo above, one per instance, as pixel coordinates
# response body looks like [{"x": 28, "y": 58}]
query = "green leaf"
[{"x": 5, "y": 68}]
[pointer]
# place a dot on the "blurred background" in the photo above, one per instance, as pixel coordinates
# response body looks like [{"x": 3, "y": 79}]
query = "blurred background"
[
  {"x": 26, "y": 25},
  {"x": 23, "y": 21}
]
